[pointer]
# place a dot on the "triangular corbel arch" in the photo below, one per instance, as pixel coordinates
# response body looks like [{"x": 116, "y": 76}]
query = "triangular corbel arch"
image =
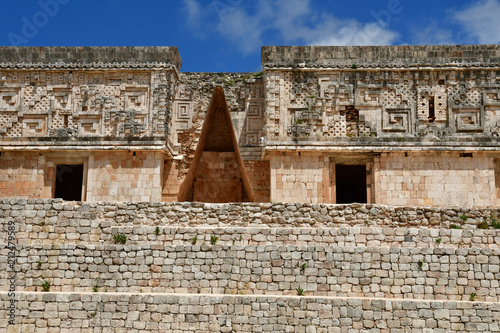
[{"x": 217, "y": 173}]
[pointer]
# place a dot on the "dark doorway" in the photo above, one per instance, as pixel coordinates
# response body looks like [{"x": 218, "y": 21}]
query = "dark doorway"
[
  {"x": 69, "y": 181},
  {"x": 350, "y": 182}
]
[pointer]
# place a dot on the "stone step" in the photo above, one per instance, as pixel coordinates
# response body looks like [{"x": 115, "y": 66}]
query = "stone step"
[
  {"x": 338, "y": 236},
  {"x": 387, "y": 272},
  {"x": 135, "y": 312}
]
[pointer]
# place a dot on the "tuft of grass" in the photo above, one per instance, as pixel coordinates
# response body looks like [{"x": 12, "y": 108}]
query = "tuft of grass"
[
  {"x": 194, "y": 240},
  {"x": 46, "y": 285},
  {"x": 39, "y": 263},
  {"x": 95, "y": 288},
  {"x": 454, "y": 226},
  {"x": 157, "y": 231},
  {"x": 494, "y": 222},
  {"x": 213, "y": 239},
  {"x": 354, "y": 66},
  {"x": 93, "y": 314},
  {"x": 464, "y": 218},
  {"x": 120, "y": 238},
  {"x": 258, "y": 74},
  {"x": 483, "y": 225},
  {"x": 472, "y": 297},
  {"x": 438, "y": 241},
  {"x": 300, "y": 291},
  {"x": 303, "y": 267},
  {"x": 420, "y": 264}
]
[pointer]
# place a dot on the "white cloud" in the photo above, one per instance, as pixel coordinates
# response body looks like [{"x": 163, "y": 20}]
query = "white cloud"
[
  {"x": 193, "y": 10},
  {"x": 481, "y": 21},
  {"x": 296, "y": 23},
  {"x": 430, "y": 33}
]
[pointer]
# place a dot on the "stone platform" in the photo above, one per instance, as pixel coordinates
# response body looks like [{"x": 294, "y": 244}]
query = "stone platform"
[{"x": 192, "y": 267}]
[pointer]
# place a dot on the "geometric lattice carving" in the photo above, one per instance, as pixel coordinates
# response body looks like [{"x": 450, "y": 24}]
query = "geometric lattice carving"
[
  {"x": 34, "y": 126},
  {"x": 396, "y": 120},
  {"x": 435, "y": 96},
  {"x": 89, "y": 126},
  {"x": 468, "y": 118},
  {"x": 492, "y": 97},
  {"x": 9, "y": 98},
  {"x": 254, "y": 121}
]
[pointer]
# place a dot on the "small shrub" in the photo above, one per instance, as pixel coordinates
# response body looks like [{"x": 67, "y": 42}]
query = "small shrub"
[
  {"x": 120, "y": 238},
  {"x": 454, "y": 226},
  {"x": 464, "y": 218},
  {"x": 157, "y": 231},
  {"x": 483, "y": 225},
  {"x": 472, "y": 297},
  {"x": 354, "y": 66},
  {"x": 213, "y": 239},
  {"x": 300, "y": 291},
  {"x": 438, "y": 241},
  {"x": 194, "y": 240},
  {"x": 46, "y": 285},
  {"x": 95, "y": 288}
]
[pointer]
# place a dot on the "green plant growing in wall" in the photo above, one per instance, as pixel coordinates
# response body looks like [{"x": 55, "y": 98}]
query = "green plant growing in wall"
[
  {"x": 93, "y": 314},
  {"x": 303, "y": 267},
  {"x": 46, "y": 285},
  {"x": 438, "y": 241},
  {"x": 157, "y": 231},
  {"x": 213, "y": 239},
  {"x": 464, "y": 218},
  {"x": 454, "y": 226},
  {"x": 300, "y": 291},
  {"x": 39, "y": 263},
  {"x": 483, "y": 225},
  {"x": 258, "y": 74},
  {"x": 120, "y": 238},
  {"x": 95, "y": 288},
  {"x": 354, "y": 66},
  {"x": 194, "y": 240},
  {"x": 472, "y": 297},
  {"x": 494, "y": 222},
  {"x": 420, "y": 264}
]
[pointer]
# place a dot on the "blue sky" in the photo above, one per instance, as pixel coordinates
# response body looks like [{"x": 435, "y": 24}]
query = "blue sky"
[{"x": 226, "y": 35}]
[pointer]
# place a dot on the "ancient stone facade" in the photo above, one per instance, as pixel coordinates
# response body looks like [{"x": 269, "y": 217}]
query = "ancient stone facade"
[{"x": 397, "y": 125}]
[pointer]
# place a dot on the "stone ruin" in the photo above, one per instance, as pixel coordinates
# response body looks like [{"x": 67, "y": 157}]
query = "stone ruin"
[
  {"x": 342, "y": 189},
  {"x": 394, "y": 125}
]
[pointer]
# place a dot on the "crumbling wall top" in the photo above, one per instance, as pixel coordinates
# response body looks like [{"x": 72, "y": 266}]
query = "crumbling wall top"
[
  {"x": 89, "y": 57},
  {"x": 403, "y": 56}
]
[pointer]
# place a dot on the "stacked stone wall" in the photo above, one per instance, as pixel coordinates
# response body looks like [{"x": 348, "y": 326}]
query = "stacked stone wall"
[{"x": 246, "y": 267}]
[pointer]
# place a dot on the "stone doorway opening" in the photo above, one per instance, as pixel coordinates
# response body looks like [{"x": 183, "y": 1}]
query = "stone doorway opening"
[
  {"x": 69, "y": 182},
  {"x": 350, "y": 183}
]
